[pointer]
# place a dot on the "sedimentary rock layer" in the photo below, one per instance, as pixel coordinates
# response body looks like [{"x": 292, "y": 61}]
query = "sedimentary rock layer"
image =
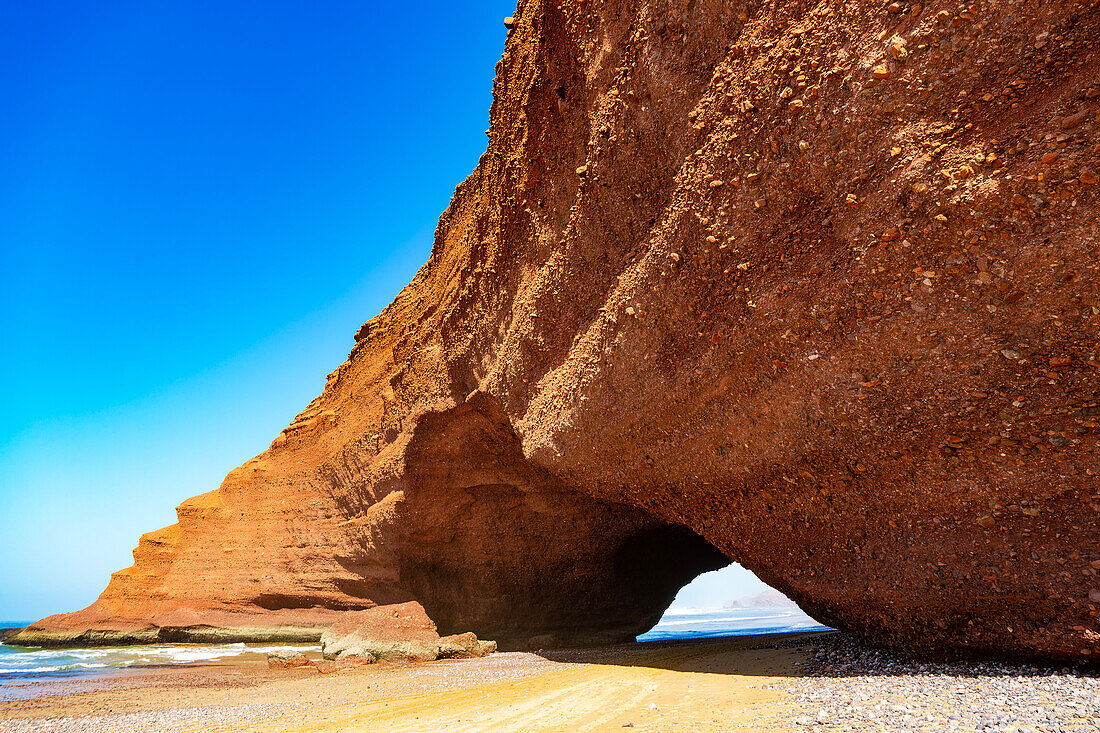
[{"x": 811, "y": 283}]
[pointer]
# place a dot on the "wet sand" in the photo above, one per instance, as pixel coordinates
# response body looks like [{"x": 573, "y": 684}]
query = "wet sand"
[{"x": 705, "y": 685}]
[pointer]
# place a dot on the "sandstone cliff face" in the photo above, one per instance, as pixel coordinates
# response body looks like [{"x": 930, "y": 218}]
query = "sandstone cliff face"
[{"x": 814, "y": 284}]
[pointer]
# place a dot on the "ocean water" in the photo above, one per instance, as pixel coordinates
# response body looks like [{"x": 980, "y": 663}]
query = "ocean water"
[
  {"x": 20, "y": 666},
  {"x": 706, "y": 623},
  {"x": 24, "y": 667}
]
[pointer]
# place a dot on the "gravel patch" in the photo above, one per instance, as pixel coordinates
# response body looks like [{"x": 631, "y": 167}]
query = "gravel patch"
[{"x": 851, "y": 687}]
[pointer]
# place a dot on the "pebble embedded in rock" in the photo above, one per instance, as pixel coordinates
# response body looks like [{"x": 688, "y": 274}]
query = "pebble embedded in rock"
[{"x": 1068, "y": 123}]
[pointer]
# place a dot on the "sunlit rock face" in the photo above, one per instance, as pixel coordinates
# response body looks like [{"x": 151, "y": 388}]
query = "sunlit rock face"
[{"x": 808, "y": 286}]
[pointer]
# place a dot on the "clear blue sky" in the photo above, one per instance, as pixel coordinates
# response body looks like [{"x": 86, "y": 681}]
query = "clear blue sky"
[{"x": 201, "y": 201}]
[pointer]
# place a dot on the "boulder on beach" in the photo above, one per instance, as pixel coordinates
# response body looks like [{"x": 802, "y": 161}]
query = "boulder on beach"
[
  {"x": 400, "y": 632},
  {"x": 463, "y": 646}
]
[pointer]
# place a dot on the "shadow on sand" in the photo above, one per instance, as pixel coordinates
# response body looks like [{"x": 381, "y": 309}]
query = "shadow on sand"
[{"x": 798, "y": 654}]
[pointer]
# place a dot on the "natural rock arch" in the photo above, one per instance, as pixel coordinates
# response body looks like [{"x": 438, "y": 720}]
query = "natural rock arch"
[
  {"x": 784, "y": 274},
  {"x": 490, "y": 543}
]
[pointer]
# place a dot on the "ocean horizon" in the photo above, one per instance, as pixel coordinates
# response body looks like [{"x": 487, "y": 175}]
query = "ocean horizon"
[{"x": 714, "y": 622}]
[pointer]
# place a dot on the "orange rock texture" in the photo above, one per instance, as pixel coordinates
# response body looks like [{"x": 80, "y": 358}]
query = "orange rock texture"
[{"x": 807, "y": 285}]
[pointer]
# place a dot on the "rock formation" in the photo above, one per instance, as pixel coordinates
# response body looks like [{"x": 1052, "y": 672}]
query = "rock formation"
[
  {"x": 807, "y": 285},
  {"x": 287, "y": 660},
  {"x": 401, "y": 632}
]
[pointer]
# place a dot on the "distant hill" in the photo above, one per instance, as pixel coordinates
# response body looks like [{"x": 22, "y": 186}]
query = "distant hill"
[{"x": 767, "y": 599}]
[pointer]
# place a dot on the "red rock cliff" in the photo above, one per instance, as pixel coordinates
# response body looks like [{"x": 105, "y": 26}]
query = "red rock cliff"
[{"x": 814, "y": 284}]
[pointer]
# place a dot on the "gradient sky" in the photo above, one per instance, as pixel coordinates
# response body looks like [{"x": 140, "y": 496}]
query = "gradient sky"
[{"x": 200, "y": 202}]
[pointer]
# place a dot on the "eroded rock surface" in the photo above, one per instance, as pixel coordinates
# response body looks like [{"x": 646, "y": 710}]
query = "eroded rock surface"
[{"x": 814, "y": 284}]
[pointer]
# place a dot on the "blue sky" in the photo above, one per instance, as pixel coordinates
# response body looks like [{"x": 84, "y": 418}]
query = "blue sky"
[{"x": 201, "y": 203}]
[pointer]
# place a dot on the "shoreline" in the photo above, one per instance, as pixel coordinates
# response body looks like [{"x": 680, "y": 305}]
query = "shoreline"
[{"x": 812, "y": 682}]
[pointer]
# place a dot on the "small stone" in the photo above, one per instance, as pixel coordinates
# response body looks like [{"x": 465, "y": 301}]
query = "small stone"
[
  {"x": 1050, "y": 158},
  {"x": 1094, "y": 595},
  {"x": 509, "y": 22},
  {"x": 1087, "y": 177},
  {"x": 630, "y": 310},
  {"x": 1068, "y": 123},
  {"x": 286, "y": 660},
  {"x": 674, "y": 256},
  {"x": 1061, "y": 361},
  {"x": 880, "y": 72},
  {"x": 796, "y": 104},
  {"x": 717, "y": 184},
  {"x": 582, "y": 171},
  {"x": 894, "y": 7},
  {"x": 1095, "y": 564},
  {"x": 986, "y": 521}
]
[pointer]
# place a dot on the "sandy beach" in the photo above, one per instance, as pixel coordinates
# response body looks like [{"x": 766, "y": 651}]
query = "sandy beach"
[
  {"x": 816, "y": 683},
  {"x": 694, "y": 686}
]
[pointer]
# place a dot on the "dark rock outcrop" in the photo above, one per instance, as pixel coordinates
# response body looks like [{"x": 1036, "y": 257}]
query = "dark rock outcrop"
[{"x": 811, "y": 286}]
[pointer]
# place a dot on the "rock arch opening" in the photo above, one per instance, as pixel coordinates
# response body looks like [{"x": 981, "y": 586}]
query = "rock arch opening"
[
  {"x": 490, "y": 543},
  {"x": 728, "y": 602}
]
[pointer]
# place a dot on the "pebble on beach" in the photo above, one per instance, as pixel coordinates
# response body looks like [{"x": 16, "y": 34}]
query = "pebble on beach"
[{"x": 851, "y": 687}]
